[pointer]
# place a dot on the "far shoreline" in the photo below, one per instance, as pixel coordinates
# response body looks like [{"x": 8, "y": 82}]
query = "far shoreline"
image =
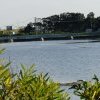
[{"x": 51, "y": 36}]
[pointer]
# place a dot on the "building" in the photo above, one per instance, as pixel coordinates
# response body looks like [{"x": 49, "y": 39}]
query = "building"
[{"x": 8, "y": 27}]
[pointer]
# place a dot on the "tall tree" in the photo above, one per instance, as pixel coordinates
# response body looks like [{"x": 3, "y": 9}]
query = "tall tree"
[
  {"x": 29, "y": 28},
  {"x": 90, "y": 20}
]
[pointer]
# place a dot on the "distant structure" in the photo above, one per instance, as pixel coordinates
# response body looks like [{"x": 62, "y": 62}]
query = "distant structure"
[
  {"x": 13, "y": 33},
  {"x": 38, "y": 24},
  {"x": 9, "y": 28},
  {"x": 42, "y": 39},
  {"x": 38, "y": 20},
  {"x": 72, "y": 38},
  {"x": 11, "y": 40}
]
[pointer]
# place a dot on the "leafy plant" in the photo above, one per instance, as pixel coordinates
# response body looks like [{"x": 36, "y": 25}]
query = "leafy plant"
[
  {"x": 88, "y": 90},
  {"x": 32, "y": 86}
]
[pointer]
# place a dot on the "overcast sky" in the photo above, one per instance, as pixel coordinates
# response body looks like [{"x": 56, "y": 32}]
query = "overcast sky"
[{"x": 20, "y": 12}]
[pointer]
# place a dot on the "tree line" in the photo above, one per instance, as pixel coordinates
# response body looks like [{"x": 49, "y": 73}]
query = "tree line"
[{"x": 64, "y": 22}]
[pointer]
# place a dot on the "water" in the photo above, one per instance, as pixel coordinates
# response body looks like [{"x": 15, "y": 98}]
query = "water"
[{"x": 66, "y": 60}]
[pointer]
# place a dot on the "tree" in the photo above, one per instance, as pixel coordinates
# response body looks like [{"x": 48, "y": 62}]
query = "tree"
[
  {"x": 29, "y": 28},
  {"x": 97, "y": 23},
  {"x": 72, "y": 22},
  {"x": 90, "y": 15},
  {"x": 90, "y": 20}
]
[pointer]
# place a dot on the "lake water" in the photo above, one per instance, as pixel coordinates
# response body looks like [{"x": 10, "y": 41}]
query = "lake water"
[{"x": 65, "y": 60}]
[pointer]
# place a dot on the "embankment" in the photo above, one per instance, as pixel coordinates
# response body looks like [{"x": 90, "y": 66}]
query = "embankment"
[{"x": 39, "y": 37}]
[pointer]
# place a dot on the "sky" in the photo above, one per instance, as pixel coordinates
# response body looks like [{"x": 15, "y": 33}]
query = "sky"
[{"x": 20, "y": 12}]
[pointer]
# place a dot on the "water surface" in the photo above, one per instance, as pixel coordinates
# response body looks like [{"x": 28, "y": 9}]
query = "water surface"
[{"x": 68, "y": 60}]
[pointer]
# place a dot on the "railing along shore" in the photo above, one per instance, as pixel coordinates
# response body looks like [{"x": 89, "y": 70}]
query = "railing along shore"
[{"x": 18, "y": 38}]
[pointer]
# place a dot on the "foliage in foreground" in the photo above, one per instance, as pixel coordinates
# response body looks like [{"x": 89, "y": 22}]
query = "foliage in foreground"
[
  {"x": 27, "y": 85},
  {"x": 88, "y": 90}
]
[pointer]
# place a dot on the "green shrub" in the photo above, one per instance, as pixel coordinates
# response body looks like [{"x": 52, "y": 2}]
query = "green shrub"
[{"x": 88, "y": 90}]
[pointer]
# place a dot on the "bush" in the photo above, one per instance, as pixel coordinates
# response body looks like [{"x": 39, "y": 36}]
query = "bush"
[{"x": 88, "y": 90}]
